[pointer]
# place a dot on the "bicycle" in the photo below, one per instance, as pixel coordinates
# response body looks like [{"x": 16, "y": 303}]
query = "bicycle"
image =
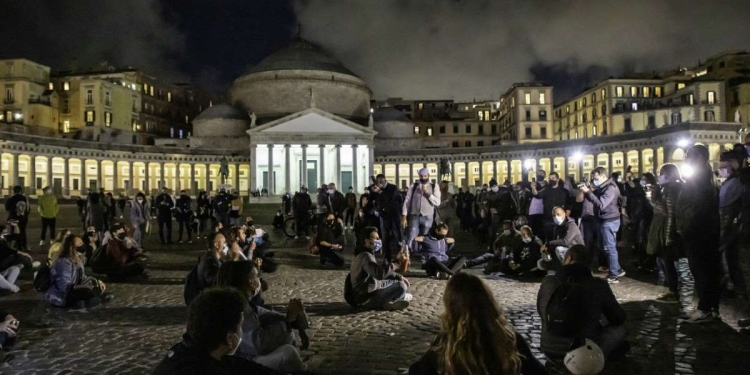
[{"x": 290, "y": 225}]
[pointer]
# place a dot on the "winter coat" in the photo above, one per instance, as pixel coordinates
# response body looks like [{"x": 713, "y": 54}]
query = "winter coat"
[
  {"x": 301, "y": 204},
  {"x": 663, "y": 226},
  {"x": 432, "y": 247},
  {"x": 606, "y": 201},
  {"x": 48, "y": 206},
  {"x": 95, "y": 215},
  {"x": 64, "y": 275},
  {"x": 139, "y": 212},
  {"x": 698, "y": 207},
  {"x": 567, "y": 234},
  {"x": 553, "y": 197}
]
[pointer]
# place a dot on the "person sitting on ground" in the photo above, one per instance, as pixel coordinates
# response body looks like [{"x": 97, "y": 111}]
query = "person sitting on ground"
[
  {"x": 204, "y": 274},
  {"x": 69, "y": 285},
  {"x": 330, "y": 240},
  {"x": 8, "y": 333},
  {"x": 214, "y": 332},
  {"x": 475, "y": 337},
  {"x": 56, "y": 245},
  {"x": 374, "y": 285},
  {"x": 239, "y": 248},
  {"x": 523, "y": 261},
  {"x": 278, "y": 220},
  {"x": 12, "y": 261},
  {"x": 508, "y": 241},
  {"x": 434, "y": 248},
  {"x": 565, "y": 234},
  {"x": 126, "y": 256},
  {"x": 267, "y": 336},
  {"x": 90, "y": 243},
  {"x": 573, "y": 302}
]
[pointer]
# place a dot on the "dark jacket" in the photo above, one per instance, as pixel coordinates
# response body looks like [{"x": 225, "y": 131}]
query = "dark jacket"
[
  {"x": 203, "y": 206},
  {"x": 553, "y": 197},
  {"x": 351, "y": 200},
  {"x": 503, "y": 202},
  {"x": 208, "y": 268},
  {"x": 336, "y": 203},
  {"x": 301, "y": 204},
  {"x": 663, "y": 228},
  {"x": 365, "y": 271},
  {"x": 429, "y": 363},
  {"x": 566, "y": 234},
  {"x": 222, "y": 203},
  {"x": 11, "y": 205},
  {"x": 388, "y": 202},
  {"x": 164, "y": 205},
  {"x": 331, "y": 234},
  {"x": 605, "y": 199},
  {"x": 184, "y": 209},
  {"x": 188, "y": 358},
  {"x": 600, "y": 301},
  {"x": 698, "y": 207}
]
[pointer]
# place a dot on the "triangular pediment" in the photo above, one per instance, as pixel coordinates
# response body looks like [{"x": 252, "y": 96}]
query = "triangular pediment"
[{"x": 312, "y": 121}]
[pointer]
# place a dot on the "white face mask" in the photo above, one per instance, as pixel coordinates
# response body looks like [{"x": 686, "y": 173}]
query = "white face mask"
[
  {"x": 331, "y": 191},
  {"x": 662, "y": 179},
  {"x": 239, "y": 341},
  {"x": 559, "y": 220},
  {"x": 724, "y": 172},
  {"x": 225, "y": 249},
  {"x": 506, "y": 232},
  {"x": 526, "y": 239},
  {"x": 495, "y": 189}
]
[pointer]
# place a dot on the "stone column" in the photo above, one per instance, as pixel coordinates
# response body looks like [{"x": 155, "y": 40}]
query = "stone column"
[
  {"x": 114, "y": 176},
  {"x": 178, "y": 183},
  {"x": 131, "y": 176},
  {"x": 337, "y": 179},
  {"x": 49, "y": 172},
  {"x": 237, "y": 178},
  {"x": 322, "y": 149},
  {"x": 398, "y": 175},
  {"x": 208, "y": 177},
  {"x": 288, "y": 170},
  {"x": 162, "y": 177},
  {"x": 611, "y": 161},
  {"x": 32, "y": 173},
  {"x": 355, "y": 169},
  {"x": 271, "y": 180},
  {"x": 481, "y": 172},
  {"x": 565, "y": 168},
  {"x": 411, "y": 175},
  {"x": 147, "y": 176},
  {"x": 640, "y": 162},
  {"x": 510, "y": 171},
  {"x": 371, "y": 157},
  {"x": 99, "y": 174},
  {"x": 193, "y": 181},
  {"x": 66, "y": 176},
  {"x": 304, "y": 180}
]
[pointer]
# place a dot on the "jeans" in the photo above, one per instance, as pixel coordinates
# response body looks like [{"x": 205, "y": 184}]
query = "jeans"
[
  {"x": 90, "y": 296},
  {"x": 608, "y": 243},
  {"x": 379, "y": 298},
  {"x": 730, "y": 251},
  {"x": 165, "y": 223},
  {"x": 48, "y": 223},
  {"x": 391, "y": 234},
  {"x": 285, "y": 359},
  {"x": 349, "y": 217},
  {"x": 669, "y": 268},
  {"x": 8, "y": 278},
  {"x": 138, "y": 231},
  {"x": 235, "y": 221},
  {"x": 482, "y": 259},
  {"x": 418, "y": 226},
  {"x": 611, "y": 338},
  {"x": 223, "y": 218},
  {"x": 328, "y": 255},
  {"x": 704, "y": 260},
  {"x": 450, "y": 266},
  {"x": 185, "y": 223},
  {"x": 590, "y": 232}
]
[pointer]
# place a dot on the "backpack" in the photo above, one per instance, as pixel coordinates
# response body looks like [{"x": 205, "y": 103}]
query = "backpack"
[
  {"x": 562, "y": 315},
  {"x": 42, "y": 280},
  {"x": 191, "y": 286},
  {"x": 21, "y": 208}
]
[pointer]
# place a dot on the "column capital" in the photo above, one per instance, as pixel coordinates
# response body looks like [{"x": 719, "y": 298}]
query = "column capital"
[
  {"x": 355, "y": 146},
  {"x": 304, "y": 146},
  {"x": 321, "y": 146},
  {"x": 338, "y": 146},
  {"x": 269, "y": 145},
  {"x": 287, "y": 146}
]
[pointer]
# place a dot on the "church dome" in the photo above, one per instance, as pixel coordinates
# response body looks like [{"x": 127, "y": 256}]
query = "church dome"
[
  {"x": 390, "y": 123},
  {"x": 299, "y": 77},
  {"x": 221, "y": 120}
]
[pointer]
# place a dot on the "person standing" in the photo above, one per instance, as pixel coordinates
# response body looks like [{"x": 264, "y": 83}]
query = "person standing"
[
  {"x": 121, "y": 203},
  {"x": 500, "y": 206},
  {"x": 335, "y": 201},
  {"x": 165, "y": 204},
  {"x": 301, "y": 205},
  {"x": 184, "y": 216},
  {"x": 139, "y": 217},
  {"x": 48, "y": 210},
  {"x": 447, "y": 208},
  {"x": 96, "y": 213},
  {"x": 536, "y": 203},
  {"x": 351, "y": 207},
  {"x": 418, "y": 212},
  {"x": 605, "y": 199},
  {"x": 699, "y": 226},
  {"x": 221, "y": 205},
  {"x": 235, "y": 211},
  {"x": 552, "y": 195},
  {"x": 387, "y": 206},
  {"x": 18, "y": 209},
  {"x": 203, "y": 206},
  {"x": 663, "y": 241},
  {"x": 730, "y": 208}
]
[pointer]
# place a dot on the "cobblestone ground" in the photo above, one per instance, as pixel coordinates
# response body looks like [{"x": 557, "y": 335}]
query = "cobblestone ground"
[{"x": 132, "y": 333}]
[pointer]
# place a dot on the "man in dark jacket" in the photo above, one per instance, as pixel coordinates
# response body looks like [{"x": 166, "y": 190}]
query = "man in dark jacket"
[
  {"x": 387, "y": 208},
  {"x": 184, "y": 216},
  {"x": 351, "y": 207},
  {"x": 565, "y": 234},
  {"x": 164, "y": 204},
  {"x": 590, "y": 299},
  {"x": 698, "y": 224},
  {"x": 730, "y": 208},
  {"x": 335, "y": 201},
  {"x": 301, "y": 205},
  {"x": 552, "y": 195},
  {"x": 211, "y": 261},
  {"x": 214, "y": 332},
  {"x": 222, "y": 203},
  {"x": 18, "y": 209},
  {"x": 605, "y": 199},
  {"x": 500, "y": 205}
]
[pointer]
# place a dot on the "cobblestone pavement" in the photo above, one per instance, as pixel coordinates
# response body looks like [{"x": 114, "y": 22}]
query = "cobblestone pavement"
[{"x": 132, "y": 333}]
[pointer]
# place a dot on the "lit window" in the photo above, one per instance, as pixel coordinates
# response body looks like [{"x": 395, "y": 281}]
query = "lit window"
[
  {"x": 66, "y": 85},
  {"x": 634, "y": 106},
  {"x": 429, "y": 131},
  {"x": 66, "y": 126},
  {"x": 90, "y": 116},
  {"x": 210, "y": 104},
  {"x": 2, "y": 117},
  {"x": 527, "y": 98},
  {"x": 512, "y": 102},
  {"x": 657, "y": 91},
  {"x": 604, "y": 94},
  {"x": 633, "y": 91},
  {"x": 680, "y": 86},
  {"x": 145, "y": 88},
  {"x": 691, "y": 100},
  {"x": 481, "y": 115},
  {"x": 541, "y": 98},
  {"x": 618, "y": 91},
  {"x": 107, "y": 118},
  {"x": 180, "y": 133},
  {"x": 567, "y": 109},
  {"x": 712, "y": 97},
  {"x": 134, "y": 126},
  {"x": 594, "y": 131},
  {"x": 151, "y": 91},
  {"x": 51, "y": 86},
  {"x": 9, "y": 95},
  {"x": 421, "y": 105},
  {"x": 646, "y": 92},
  {"x": 187, "y": 119},
  {"x": 416, "y": 130},
  {"x": 169, "y": 99}
]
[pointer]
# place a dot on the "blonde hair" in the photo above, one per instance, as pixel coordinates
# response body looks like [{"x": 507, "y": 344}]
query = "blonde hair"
[{"x": 475, "y": 337}]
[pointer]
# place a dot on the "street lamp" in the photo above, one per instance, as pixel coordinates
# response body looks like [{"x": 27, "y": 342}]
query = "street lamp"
[
  {"x": 682, "y": 143},
  {"x": 687, "y": 170},
  {"x": 577, "y": 157},
  {"x": 529, "y": 164}
]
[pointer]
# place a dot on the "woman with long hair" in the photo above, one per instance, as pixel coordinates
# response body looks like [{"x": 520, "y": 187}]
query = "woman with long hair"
[
  {"x": 69, "y": 285},
  {"x": 663, "y": 241},
  {"x": 475, "y": 338},
  {"x": 56, "y": 245},
  {"x": 267, "y": 336}
]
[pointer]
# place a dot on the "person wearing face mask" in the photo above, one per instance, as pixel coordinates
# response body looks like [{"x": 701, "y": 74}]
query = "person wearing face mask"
[
  {"x": 605, "y": 198},
  {"x": 335, "y": 202},
  {"x": 500, "y": 205},
  {"x": 203, "y": 275},
  {"x": 387, "y": 207},
  {"x": 125, "y": 258},
  {"x": 203, "y": 208},
  {"x": 221, "y": 205},
  {"x": 526, "y": 257},
  {"x": 639, "y": 213},
  {"x": 139, "y": 217},
  {"x": 165, "y": 204},
  {"x": 47, "y": 207},
  {"x": 330, "y": 241},
  {"x": 664, "y": 242},
  {"x": 301, "y": 205},
  {"x": 372, "y": 285},
  {"x": 213, "y": 336},
  {"x": 564, "y": 235},
  {"x": 418, "y": 211},
  {"x": 552, "y": 195},
  {"x": 699, "y": 226},
  {"x": 267, "y": 335},
  {"x": 434, "y": 248},
  {"x": 351, "y": 206},
  {"x": 730, "y": 209},
  {"x": 536, "y": 204},
  {"x": 69, "y": 285},
  {"x": 184, "y": 215},
  {"x": 506, "y": 243}
]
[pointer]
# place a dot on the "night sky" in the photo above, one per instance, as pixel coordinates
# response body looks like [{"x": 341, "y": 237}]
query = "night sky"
[{"x": 428, "y": 49}]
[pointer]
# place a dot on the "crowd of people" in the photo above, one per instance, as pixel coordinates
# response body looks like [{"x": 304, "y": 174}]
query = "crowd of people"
[{"x": 553, "y": 230}]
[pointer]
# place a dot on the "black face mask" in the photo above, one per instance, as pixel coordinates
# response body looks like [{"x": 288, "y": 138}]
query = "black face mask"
[
  {"x": 439, "y": 236},
  {"x": 80, "y": 249},
  {"x": 329, "y": 223},
  {"x": 121, "y": 236},
  {"x": 540, "y": 177},
  {"x": 424, "y": 180},
  {"x": 553, "y": 183},
  {"x": 250, "y": 223}
]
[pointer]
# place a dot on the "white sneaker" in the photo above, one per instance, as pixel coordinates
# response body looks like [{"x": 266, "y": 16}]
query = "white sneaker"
[
  {"x": 698, "y": 316},
  {"x": 36, "y": 264},
  {"x": 408, "y": 297}
]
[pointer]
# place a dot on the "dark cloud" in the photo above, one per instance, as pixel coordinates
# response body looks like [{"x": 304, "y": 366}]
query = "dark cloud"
[{"x": 467, "y": 49}]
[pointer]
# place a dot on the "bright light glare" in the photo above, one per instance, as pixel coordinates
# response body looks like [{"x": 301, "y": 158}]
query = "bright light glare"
[
  {"x": 683, "y": 143},
  {"x": 687, "y": 170},
  {"x": 577, "y": 157},
  {"x": 529, "y": 163}
]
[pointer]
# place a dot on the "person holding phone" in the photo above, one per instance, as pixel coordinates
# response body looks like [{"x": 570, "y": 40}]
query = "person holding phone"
[{"x": 8, "y": 333}]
